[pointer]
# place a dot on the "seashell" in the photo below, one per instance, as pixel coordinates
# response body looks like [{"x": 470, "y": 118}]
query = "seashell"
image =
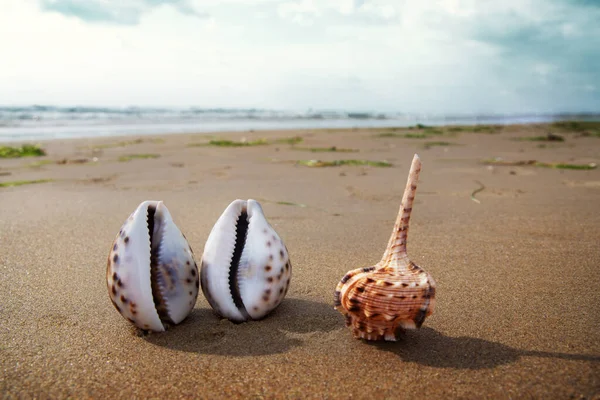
[
  {"x": 151, "y": 274},
  {"x": 245, "y": 270},
  {"x": 380, "y": 301}
]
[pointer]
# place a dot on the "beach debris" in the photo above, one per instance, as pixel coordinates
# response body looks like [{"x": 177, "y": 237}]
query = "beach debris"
[
  {"x": 289, "y": 140},
  {"x": 381, "y": 301},
  {"x": 73, "y": 161},
  {"x": 337, "y": 163},
  {"x": 245, "y": 270},
  {"x": 151, "y": 274},
  {"x": 403, "y": 135},
  {"x": 332, "y": 149},
  {"x": 534, "y": 163},
  {"x": 475, "y": 128},
  {"x": 130, "y": 157},
  {"x": 479, "y": 189},
  {"x": 549, "y": 137},
  {"x": 429, "y": 145},
  {"x": 244, "y": 142},
  {"x": 290, "y": 203}
]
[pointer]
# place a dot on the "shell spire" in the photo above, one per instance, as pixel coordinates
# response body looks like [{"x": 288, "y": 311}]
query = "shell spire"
[
  {"x": 395, "y": 255},
  {"x": 381, "y": 301}
]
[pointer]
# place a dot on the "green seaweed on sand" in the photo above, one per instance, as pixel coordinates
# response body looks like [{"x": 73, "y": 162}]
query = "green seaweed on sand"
[
  {"x": 26, "y": 150},
  {"x": 291, "y": 140},
  {"x": 590, "y": 127},
  {"x": 245, "y": 143},
  {"x": 130, "y": 157},
  {"x": 332, "y": 149},
  {"x": 337, "y": 163},
  {"x": 391, "y": 134},
  {"x": 429, "y": 145},
  {"x": 424, "y": 134},
  {"x": 474, "y": 128},
  {"x": 433, "y": 131},
  {"x": 403, "y": 135},
  {"x": 550, "y": 137},
  {"x": 40, "y": 163},
  {"x": 486, "y": 128},
  {"x": 534, "y": 163},
  {"x": 242, "y": 143},
  {"x": 21, "y": 183},
  {"x": 64, "y": 161},
  {"x": 416, "y": 135},
  {"x": 568, "y": 166}
]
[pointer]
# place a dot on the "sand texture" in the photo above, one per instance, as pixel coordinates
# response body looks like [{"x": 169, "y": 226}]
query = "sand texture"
[{"x": 517, "y": 269}]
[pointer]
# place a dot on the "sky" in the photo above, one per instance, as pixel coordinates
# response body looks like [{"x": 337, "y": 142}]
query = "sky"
[{"x": 446, "y": 56}]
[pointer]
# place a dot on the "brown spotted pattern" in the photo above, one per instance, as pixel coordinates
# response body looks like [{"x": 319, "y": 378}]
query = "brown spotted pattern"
[
  {"x": 117, "y": 290},
  {"x": 277, "y": 274},
  {"x": 252, "y": 280},
  {"x": 380, "y": 301},
  {"x": 174, "y": 278}
]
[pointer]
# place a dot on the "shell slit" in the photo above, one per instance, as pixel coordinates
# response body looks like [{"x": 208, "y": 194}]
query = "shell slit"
[
  {"x": 155, "y": 230},
  {"x": 241, "y": 232}
]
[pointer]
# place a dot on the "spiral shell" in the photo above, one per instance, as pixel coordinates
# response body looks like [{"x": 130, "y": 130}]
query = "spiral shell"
[
  {"x": 245, "y": 270},
  {"x": 151, "y": 274},
  {"x": 381, "y": 301}
]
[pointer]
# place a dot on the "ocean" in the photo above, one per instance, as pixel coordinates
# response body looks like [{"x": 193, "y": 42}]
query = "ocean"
[{"x": 37, "y": 123}]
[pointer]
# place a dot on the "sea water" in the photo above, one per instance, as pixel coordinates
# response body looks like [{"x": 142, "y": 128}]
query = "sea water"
[{"x": 34, "y": 123}]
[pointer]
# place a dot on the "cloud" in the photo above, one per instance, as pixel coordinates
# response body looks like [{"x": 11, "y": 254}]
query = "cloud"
[
  {"x": 338, "y": 12},
  {"x": 396, "y": 55},
  {"x": 119, "y": 12},
  {"x": 554, "y": 40}
]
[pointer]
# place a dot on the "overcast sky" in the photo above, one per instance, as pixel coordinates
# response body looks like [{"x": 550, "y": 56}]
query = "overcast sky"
[{"x": 448, "y": 56}]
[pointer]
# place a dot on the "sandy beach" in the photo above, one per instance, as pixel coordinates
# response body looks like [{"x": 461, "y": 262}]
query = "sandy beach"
[{"x": 513, "y": 245}]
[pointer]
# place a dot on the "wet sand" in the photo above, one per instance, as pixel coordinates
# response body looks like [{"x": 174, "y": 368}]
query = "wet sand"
[{"x": 517, "y": 272}]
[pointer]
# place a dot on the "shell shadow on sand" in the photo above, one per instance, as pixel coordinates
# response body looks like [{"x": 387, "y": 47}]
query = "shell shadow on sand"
[
  {"x": 205, "y": 332},
  {"x": 431, "y": 348}
]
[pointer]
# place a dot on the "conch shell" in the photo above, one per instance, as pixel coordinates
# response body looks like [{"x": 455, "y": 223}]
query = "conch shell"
[
  {"x": 381, "y": 301},
  {"x": 151, "y": 274},
  {"x": 245, "y": 269}
]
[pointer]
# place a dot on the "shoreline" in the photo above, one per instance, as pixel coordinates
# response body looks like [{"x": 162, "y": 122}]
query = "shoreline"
[
  {"x": 146, "y": 128},
  {"x": 512, "y": 127}
]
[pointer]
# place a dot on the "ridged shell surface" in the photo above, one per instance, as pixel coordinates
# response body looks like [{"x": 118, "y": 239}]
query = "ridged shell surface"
[
  {"x": 381, "y": 301},
  {"x": 245, "y": 269},
  {"x": 151, "y": 274}
]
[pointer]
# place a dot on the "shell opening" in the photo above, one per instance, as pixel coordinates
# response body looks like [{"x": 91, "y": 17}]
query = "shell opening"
[
  {"x": 241, "y": 234},
  {"x": 155, "y": 229}
]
